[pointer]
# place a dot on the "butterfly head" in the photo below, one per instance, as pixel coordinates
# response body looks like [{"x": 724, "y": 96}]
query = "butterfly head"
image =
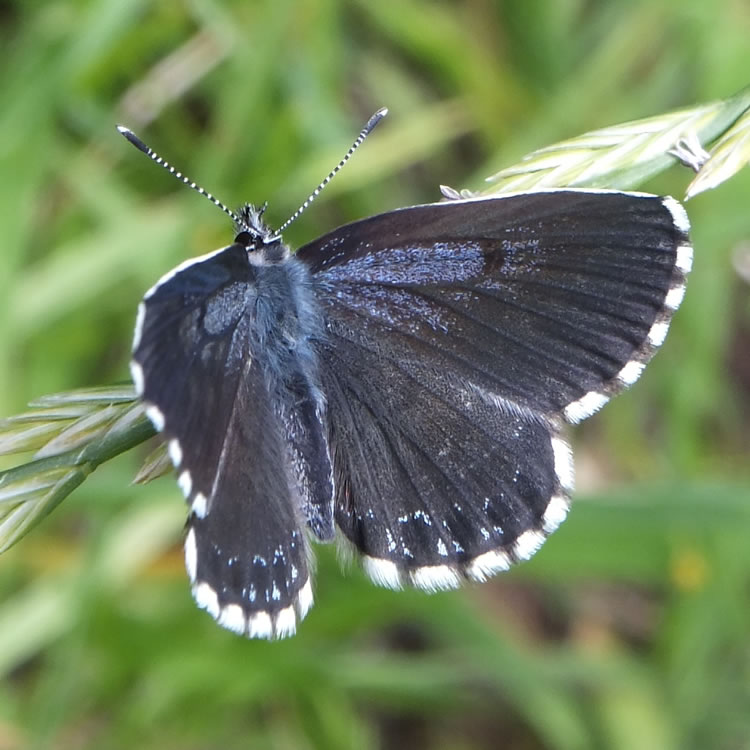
[{"x": 263, "y": 245}]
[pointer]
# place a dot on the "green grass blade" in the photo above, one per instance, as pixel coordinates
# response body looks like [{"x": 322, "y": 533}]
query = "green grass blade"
[
  {"x": 72, "y": 434},
  {"x": 730, "y": 153}
]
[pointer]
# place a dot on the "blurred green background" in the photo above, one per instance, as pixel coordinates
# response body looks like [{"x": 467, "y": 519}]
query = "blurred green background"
[{"x": 630, "y": 627}]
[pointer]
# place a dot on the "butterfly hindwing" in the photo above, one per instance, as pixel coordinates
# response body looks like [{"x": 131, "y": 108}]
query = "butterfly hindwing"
[
  {"x": 204, "y": 387},
  {"x": 460, "y": 336},
  {"x": 436, "y": 483}
]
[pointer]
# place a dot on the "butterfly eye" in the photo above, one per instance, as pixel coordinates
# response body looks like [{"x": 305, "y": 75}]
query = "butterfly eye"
[{"x": 245, "y": 239}]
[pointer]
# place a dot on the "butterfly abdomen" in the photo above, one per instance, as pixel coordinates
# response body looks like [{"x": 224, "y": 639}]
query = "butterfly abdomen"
[{"x": 286, "y": 335}]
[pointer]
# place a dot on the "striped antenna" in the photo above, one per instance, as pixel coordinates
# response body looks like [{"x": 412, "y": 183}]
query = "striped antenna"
[
  {"x": 366, "y": 130},
  {"x": 141, "y": 146}
]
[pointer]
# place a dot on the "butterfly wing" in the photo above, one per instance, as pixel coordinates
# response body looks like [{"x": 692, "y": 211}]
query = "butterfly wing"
[
  {"x": 460, "y": 335},
  {"x": 192, "y": 364}
]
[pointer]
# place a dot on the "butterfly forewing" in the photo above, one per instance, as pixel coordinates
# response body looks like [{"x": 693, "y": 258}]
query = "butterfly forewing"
[
  {"x": 541, "y": 298},
  {"x": 205, "y": 388},
  {"x": 460, "y": 335}
]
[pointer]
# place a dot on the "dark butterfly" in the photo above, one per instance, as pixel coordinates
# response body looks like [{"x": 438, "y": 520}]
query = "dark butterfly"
[{"x": 404, "y": 378}]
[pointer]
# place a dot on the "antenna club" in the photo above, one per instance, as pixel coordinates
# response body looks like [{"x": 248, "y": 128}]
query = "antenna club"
[
  {"x": 375, "y": 119},
  {"x": 133, "y": 138}
]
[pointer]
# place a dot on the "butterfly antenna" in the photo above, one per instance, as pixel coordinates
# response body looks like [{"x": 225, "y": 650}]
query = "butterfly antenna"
[
  {"x": 141, "y": 146},
  {"x": 366, "y": 130}
]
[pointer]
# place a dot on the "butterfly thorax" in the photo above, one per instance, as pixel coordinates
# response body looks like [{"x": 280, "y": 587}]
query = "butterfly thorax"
[{"x": 287, "y": 321}]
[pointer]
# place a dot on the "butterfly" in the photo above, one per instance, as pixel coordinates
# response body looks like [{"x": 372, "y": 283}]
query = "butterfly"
[{"x": 402, "y": 382}]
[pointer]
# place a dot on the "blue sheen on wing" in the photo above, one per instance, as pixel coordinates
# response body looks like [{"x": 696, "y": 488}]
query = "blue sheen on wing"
[{"x": 439, "y": 263}]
